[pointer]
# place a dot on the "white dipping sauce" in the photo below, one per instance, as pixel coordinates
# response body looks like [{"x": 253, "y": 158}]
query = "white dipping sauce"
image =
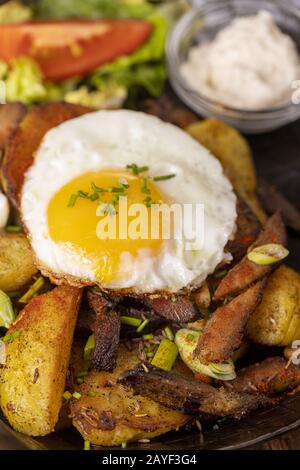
[
  {"x": 4, "y": 210},
  {"x": 250, "y": 64}
]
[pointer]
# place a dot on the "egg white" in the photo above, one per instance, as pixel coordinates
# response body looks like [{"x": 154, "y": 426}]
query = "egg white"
[{"x": 108, "y": 139}]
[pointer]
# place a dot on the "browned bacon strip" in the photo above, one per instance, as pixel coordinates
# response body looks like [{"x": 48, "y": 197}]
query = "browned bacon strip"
[
  {"x": 247, "y": 231},
  {"x": 224, "y": 330},
  {"x": 187, "y": 395},
  {"x": 176, "y": 308},
  {"x": 246, "y": 272},
  {"x": 107, "y": 332},
  {"x": 269, "y": 377},
  {"x": 19, "y": 152},
  {"x": 10, "y": 116}
]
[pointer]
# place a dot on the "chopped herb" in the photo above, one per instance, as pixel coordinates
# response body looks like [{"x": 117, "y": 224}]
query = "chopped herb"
[
  {"x": 216, "y": 427},
  {"x": 148, "y": 337},
  {"x": 131, "y": 321},
  {"x": 94, "y": 197},
  {"x": 89, "y": 347},
  {"x": 92, "y": 394},
  {"x": 32, "y": 291},
  {"x": 163, "y": 177},
  {"x": 136, "y": 170},
  {"x": 124, "y": 445},
  {"x": 87, "y": 445},
  {"x": 145, "y": 188},
  {"x": 67, "y": 395},
  {"x": 13, "y": 229},
  {"x": 7, "y": 313},
  {"x": 76, "y": 395},
  {"x": 82, "y": 194},
  {"x": 83, "y": 373},
  {"x": 79, "y": 380},
  {"x": 150, "y": 354},
  {"x": 173, "y": 299},
  {"x": 169, "y": 333},
  {"x": 72, "y": 200},
  {"x": 96, "y": 188},
  {"x": 11, "y": 337},
  {"x": 142, "y": 325}
]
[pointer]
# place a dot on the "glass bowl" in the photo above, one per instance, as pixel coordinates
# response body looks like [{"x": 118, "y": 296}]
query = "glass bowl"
[{"x": 200, "y": 25}]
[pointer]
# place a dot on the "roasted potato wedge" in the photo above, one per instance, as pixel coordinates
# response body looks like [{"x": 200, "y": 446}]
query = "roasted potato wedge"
[
  {"x": 234, "y": 153},
  {"x": 276, "y": 321},
  {"x": 115, "y": 415},
  {"x": 33, "y": 378},
  {"x": 19, "y": 152},
  {"x": 16, "y": 261}
]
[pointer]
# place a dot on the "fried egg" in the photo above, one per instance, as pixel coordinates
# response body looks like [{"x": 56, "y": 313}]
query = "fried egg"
[{"x": 82, "y": 171}]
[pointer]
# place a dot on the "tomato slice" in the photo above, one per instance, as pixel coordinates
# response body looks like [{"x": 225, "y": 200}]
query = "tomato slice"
[{"x": 66, "y": 49}]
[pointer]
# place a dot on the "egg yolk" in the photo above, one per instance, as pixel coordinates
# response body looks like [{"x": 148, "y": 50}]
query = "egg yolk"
[{"x": 73, "y": 218}]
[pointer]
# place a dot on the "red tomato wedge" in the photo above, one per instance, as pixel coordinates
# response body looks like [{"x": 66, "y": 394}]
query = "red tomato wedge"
[{"x": 66, "y": 49}]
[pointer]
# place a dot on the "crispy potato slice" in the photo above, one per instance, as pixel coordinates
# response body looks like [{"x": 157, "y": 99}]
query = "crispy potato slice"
[
  {"x": 16, "y": 261},
  {"x": 115, "y": 414},
  {"x": 234, "y": 153},
  {"x": 276, "y": 321},
  {"x": 33, "y": 379},
  {"x": 19, "y": 152}
]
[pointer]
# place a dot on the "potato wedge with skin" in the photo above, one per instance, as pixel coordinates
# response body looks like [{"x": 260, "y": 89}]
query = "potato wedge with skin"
[
  {"x": 115, "y": 414},
  {"x": 234, "y": 154},
  {"x": 16, "y": 261},
  {"x": 276, "y": 321},
  {"x": 33, "y": 379}
]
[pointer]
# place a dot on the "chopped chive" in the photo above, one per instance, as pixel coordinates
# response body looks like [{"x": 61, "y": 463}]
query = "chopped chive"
[
  {"x": 96, "y": 188},
  {"x": 14, "y": 294},
  {"x": 145, "y": 188},
  {"x": 13, "y": 229},
  {"x": 83, "y": 373},
  {"x": 142, "y": 325},
  {"x": 92, "y": 394},
  {"x": 32, "y": 291},
  {"x": 216, "y": 427},
  {"x": 79, "y": 380},
  {"x": 94, "y": 197},
  {"x": 131, "y": 321},
  {"x": 11, "y": 337},
  {"x": 136, "y": 170},
  {"x": 89, "y": 347},
  {"x": 72, "y": 200},
  {"x": 164, "y": 177},
  {"x": 124, "y": 445},
  {"x": 82, "y": 194},
  {"x": 87, "y": 445},
  {"x": 148, "y": 337},
  {"x": 169, "y": 333},
  {"x": 174, "y": 299},
  {"x": 150, "y": 354},
  {"x": 76, "y": 395},
  {"x": 67, "y": 395}
]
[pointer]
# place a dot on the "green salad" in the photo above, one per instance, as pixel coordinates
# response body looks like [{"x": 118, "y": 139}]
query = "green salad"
[{"x": 107, "y": 86}]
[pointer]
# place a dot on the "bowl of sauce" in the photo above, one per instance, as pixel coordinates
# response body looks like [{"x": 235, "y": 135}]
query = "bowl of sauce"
[{"x": 238, "y": 61}]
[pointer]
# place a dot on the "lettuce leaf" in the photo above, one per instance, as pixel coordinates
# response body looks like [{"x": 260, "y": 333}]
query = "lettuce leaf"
[
  {"x": 92, "y": 9},
  {"x": 145, "y": 67}
]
